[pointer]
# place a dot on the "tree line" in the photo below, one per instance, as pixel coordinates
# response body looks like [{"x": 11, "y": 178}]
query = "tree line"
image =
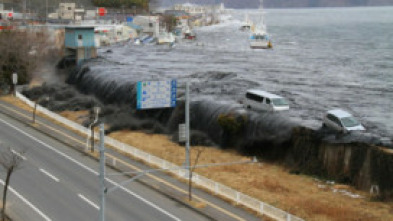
[
  {"x": 22, "y": 52},
  {"x": 144, "y": 4}
]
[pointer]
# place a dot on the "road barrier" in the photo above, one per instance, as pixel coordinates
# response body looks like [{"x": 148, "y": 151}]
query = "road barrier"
[{"x": 214, "y": 187}]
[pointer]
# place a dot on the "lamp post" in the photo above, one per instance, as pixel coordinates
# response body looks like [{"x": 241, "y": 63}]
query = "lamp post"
[
  {"x": 46, "y": 98},
  {"x": 96, "y": 111},
  {"x": 46, "y": 11},
  {"x": 103, "y": 189}
]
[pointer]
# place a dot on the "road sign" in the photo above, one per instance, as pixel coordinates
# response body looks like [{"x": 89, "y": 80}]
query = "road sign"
[
  {"x": 156, "y": 94},
  {"x": 14, "y": 78},
  {"x": 102, "y": 11}
]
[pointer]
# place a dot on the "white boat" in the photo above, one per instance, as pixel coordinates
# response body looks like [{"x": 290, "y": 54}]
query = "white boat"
[
  {"x": 166, "y": 38},
  {"x": 247, "y": 24},
  {"x": 259, "y": 38}
]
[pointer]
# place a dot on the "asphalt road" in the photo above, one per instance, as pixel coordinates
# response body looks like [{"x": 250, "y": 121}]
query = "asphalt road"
[{"x": 56, "y": 182}]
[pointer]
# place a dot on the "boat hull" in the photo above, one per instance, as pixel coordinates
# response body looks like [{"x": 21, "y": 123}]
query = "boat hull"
[{"x": 260, "y": 45}]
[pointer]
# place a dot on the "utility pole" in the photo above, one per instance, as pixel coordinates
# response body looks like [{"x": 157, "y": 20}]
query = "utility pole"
[
  {"x": 46, "y": 11},
  {"x": 102, "y": 173},
  {"x": 188, "y": 164},
  {"x": 24, "y": 11}
]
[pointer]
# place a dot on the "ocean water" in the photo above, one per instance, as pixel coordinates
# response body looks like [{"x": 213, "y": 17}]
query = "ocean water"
[{"x": 321, "y": 59}]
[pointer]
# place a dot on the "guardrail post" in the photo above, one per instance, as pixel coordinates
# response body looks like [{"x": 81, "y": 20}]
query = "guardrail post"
[
  {"x": 289, "y": 217},
  {"x": 261, "y": 205},
  {"x": 237, "y": 197},
  {"x": 216, "y": 188}
]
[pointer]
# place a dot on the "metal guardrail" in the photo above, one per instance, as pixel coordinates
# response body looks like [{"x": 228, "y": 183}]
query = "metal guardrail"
[{"x": 215, "y": 187}]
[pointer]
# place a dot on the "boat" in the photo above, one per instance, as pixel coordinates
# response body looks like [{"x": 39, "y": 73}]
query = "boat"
[
  {"x": 166, "y": 38},
  {"x": 137, "y": 41},
  {"x": 189, "y": 34},
  {"x": 259, "y": 38},
  {"x": 247, "y": 24},
  {"x": 148, "y": 39}
]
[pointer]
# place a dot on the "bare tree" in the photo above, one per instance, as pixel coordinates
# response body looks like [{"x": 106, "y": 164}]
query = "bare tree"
[
  {"x": 9, "y": 161},
  {"x": 199, "y": 151},
  {"x": 22, "y": 52}
]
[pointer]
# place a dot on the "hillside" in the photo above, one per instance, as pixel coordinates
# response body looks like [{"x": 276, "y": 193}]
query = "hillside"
[{"x": 286, "y": 3}]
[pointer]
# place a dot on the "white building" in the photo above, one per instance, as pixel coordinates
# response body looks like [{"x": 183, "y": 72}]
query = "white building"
[
  {"x": 190, "y": 8},
  {"x": 199, "y": 9},
  {"x": 67, "y": 11},
  {"x": 150, "y": 24}
]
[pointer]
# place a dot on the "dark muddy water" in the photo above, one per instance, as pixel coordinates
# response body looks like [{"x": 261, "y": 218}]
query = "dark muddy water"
[{"x": 322, "y": 59}]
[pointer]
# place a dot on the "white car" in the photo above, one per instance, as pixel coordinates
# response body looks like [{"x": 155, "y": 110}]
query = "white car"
[{"x": 341, "y": 120}]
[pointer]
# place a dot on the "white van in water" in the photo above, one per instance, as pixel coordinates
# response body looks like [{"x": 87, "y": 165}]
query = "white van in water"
[{"x": 264, "y": 101}]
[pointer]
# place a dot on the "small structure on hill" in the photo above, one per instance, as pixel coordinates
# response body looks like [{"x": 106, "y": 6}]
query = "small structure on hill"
[{"x": 79, "y": 41}]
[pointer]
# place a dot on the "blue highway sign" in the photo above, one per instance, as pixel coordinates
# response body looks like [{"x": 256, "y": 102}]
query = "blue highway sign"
[{"x": 156, "y": 94}]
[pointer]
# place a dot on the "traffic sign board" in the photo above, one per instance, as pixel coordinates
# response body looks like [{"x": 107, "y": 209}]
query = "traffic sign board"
[
  {"x": 102, "y": 11},
  {"x": 156, "y": 94},
  {"x": 14, "y": 78}
]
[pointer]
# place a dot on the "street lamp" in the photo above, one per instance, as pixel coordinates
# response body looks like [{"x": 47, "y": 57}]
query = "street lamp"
[
  {"x": 46, "y": 11},
  {"x": 96, "y": 111},
  {"x": 45, "y": 98}
]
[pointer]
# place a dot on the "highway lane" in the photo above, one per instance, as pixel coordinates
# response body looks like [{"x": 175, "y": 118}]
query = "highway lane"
[{"x": 63, "y": 189}]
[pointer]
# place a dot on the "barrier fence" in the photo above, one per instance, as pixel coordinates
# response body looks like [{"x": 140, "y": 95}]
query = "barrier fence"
[{"x": 215, "y": 187}]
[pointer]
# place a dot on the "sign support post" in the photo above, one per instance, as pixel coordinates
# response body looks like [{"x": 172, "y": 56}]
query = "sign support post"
[
  {"x": 14, "y": 82},
  {"x": 188, "y": 138}
]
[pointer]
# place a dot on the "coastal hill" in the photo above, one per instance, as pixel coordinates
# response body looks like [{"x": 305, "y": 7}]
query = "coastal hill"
[{"x": 286, "y": 3}]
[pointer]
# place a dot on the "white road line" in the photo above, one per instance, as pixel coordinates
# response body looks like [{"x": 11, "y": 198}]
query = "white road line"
[
  {"x": 49, "y": 175},
  {"x": 18, "y": 154},
  {"x": 27, "y": 202},
  {"x": 92, "y": 171},
  {"x": 88, "y": 201}
]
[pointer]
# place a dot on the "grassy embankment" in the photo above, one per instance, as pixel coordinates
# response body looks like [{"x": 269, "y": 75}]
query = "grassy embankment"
[{"x": 301, "y": 195}]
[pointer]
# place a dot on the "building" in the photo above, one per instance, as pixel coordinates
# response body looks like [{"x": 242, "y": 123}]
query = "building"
[
  {"x": 67, "y": 11},
  {"x": 190, "y": 8},
  {"x": 150, "y": 24},
  {"x": 177, "y": 13},
  {"x": 80, "y": 42},
  {"x": 193, "y": 9}
]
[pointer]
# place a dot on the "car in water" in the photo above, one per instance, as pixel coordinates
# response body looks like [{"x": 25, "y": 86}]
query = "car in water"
[
  {"x": 341, "y": 121},
  {"x": 259, "y": 100}
]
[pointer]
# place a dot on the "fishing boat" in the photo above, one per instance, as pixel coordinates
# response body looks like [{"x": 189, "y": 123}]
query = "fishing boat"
[
  {"x": 247, "y": 24},
  {"x": 259, "y": 38},
  {"x": 189, "y": 34},
  {"x": 165, "y": 38}
]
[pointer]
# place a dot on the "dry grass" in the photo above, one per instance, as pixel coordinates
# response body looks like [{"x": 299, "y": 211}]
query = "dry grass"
[
  {"x": 194, "y": 203},
  {"x": 271, "y": 183},
  {"x": 76, "y": 116},
  {"x": 298, "y": 194}
]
